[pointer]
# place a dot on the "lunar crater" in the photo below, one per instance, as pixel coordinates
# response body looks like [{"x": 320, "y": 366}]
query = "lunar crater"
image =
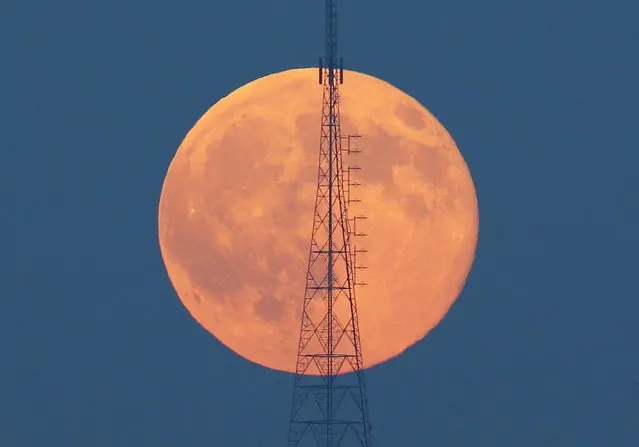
[
  {"x": 268, "y": 308},
  {"x": 411, "y": 116},
  {"x": 415, "y": 206}
]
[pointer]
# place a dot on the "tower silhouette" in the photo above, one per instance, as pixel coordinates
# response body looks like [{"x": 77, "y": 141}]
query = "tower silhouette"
[{"x": 329, "y": 406}]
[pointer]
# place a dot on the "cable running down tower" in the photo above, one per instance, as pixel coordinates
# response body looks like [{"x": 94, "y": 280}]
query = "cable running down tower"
[{"x": 329, "y": 407}]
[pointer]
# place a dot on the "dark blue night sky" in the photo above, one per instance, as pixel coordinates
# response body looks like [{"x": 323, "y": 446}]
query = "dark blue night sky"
[{"x": 542, "y": 348}]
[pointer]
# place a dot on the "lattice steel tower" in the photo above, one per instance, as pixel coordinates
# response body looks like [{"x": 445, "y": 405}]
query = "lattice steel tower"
[{"x": 329, "y": 398}]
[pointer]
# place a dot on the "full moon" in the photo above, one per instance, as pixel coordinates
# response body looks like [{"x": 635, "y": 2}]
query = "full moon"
[{"x": 236, "y": 214}]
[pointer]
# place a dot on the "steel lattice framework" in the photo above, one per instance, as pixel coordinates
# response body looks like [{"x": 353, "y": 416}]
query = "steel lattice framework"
[{"x": 329, "y": 406}]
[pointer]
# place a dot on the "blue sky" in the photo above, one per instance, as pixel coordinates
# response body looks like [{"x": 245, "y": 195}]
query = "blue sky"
[{"x": 543, "y": 101}]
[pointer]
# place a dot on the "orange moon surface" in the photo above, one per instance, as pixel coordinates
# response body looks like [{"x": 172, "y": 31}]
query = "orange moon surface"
[{"x": 236, "y": 213}]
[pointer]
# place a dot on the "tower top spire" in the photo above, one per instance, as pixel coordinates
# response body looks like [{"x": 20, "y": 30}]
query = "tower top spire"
[
  {"x": 330, "y": 60},
  {"x": 330, "y": 37}
]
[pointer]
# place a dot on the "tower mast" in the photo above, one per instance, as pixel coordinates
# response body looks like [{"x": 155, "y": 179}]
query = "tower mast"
[{"x": 329, "y": 346}]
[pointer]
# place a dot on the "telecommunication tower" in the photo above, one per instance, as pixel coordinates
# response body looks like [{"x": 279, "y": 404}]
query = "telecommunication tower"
[{"x": 329, "y": 406}]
